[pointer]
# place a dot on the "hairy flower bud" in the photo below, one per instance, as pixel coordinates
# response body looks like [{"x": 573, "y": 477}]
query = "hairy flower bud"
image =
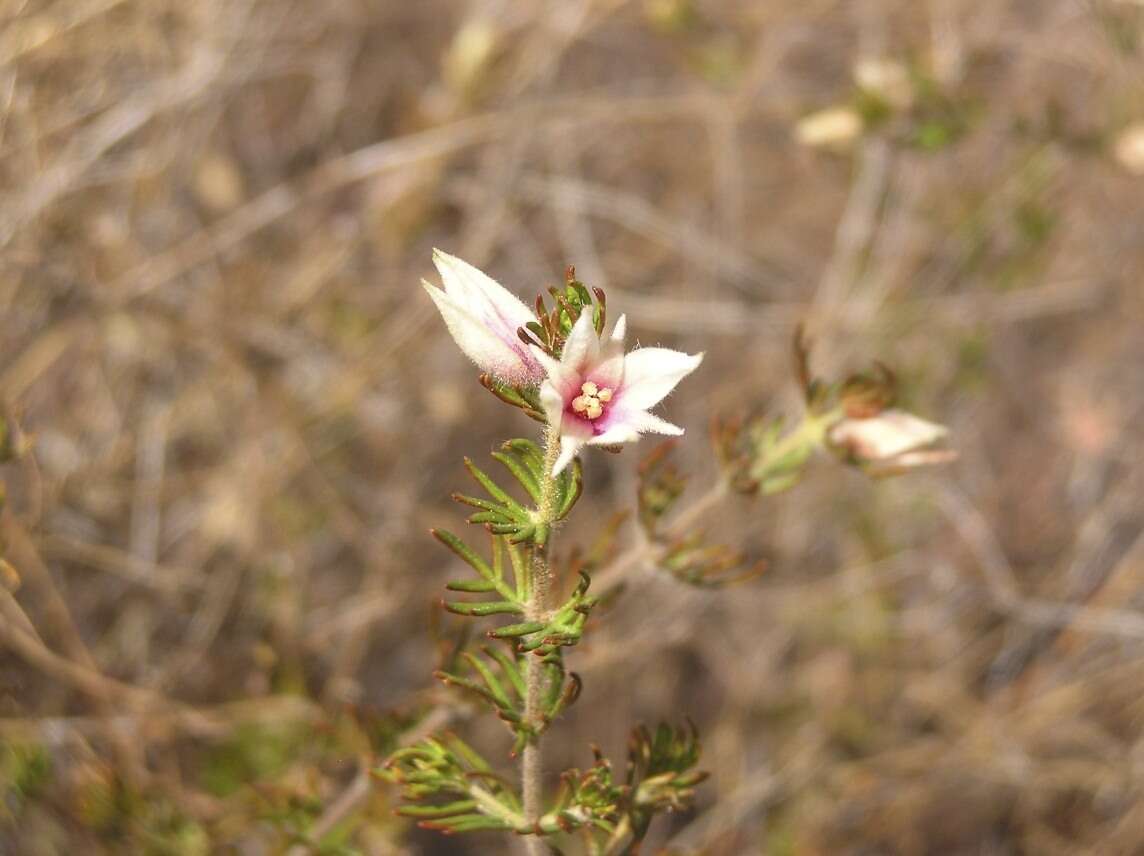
[
  {"x": 483, "y": 317},
  {"x": 892, "y": 439}
]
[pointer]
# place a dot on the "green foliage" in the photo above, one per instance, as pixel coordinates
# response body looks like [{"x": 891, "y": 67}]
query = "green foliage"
[
  {"x": 777, "y": 463},
  {"x": 498, "y": 679},
  {"x": 255, "y": 752},
  {"x": 693, "y": 561},
  {"x": 512, "y": 596},
  {"x": 686, "y": 555},
  {"x": 563, "y": 626},
  {"x": 166, "y": 831},
  {"x": 500, "y": 513},
  {"x": 660, "y": 486},
  {"x": 445, "y": 784},
  {"x": 25, "y": 769},
  {"x": 448, "y": 786},
  {"x": 551, "y": 328},
  {"x": 660, "y": 776},
  {"x": 523, "y": 398}
]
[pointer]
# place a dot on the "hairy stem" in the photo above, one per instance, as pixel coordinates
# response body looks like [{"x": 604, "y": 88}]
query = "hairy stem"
[{"x": 532, "y": 761}]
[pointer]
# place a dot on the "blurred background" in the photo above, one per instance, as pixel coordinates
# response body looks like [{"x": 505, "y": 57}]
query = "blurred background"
[{"x": 237, "y": 414}]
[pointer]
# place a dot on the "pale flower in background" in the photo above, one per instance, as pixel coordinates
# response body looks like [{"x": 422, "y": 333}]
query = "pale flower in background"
[
  {"x": 892, "y": 438},
  {"x": 598, "y": 396},
  {"x": 834, "y": 127},
  {"x": 483, "y": 318},
  {"x": 887, "y": 78},
  {"x": 1129, "y": 148}
]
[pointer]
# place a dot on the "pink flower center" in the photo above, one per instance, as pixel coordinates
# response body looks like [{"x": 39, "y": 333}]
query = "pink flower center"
[{"x": 591, "y": 401}]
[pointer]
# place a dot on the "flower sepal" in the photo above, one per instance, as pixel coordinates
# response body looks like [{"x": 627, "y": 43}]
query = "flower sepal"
[
  {"x": 523, "y": 398},
  {"x": 552, "y": 328}
]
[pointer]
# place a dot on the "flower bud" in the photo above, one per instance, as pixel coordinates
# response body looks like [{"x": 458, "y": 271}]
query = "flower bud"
[{"x": 893, "y": 439}]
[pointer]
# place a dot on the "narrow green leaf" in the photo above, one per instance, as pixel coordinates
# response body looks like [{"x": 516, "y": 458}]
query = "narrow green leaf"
[
  {"x": 462, "y": 749},
  {"x": 495, "y": 490},
  {"x": 490, "y": 679},
  {"x": 464, "y": 552},
  {"x": 555, "y": 682},
  {"x": 465, "y": 684},
  {"x": 510, "y": 668},
  {"x": 496, "y": 607},
  {"x": 530, "y": 454},
  {"x": 498, "y": 559},
  {"x": 483, "y": 504},
  {"x": 438, "y": 811},
  {"x": 509, "y": 631},
  {"x": 571, "y": 486},
  {"x": 520, "y": 574},
  {"x": 473, "y": 586},
  {"x": 522, "y": 474},
  {"x": 473, "y": 823}
]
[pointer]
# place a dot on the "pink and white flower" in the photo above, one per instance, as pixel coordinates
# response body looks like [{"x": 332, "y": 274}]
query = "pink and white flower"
[
  {"x": 597, "y": 395},
  {"x": 892, "y": 438},
  {"x": 483, "y": 317}
]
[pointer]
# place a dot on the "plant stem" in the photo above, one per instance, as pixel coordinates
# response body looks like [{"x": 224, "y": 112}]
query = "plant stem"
[
  {"x": 811, "y": 430},
  {"x": 532, "y": 761}
]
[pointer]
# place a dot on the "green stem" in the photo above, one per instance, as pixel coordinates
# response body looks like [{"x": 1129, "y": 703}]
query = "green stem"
[
  {"x": 532, "y": 761},
  {"x": 811, "y": 431}
]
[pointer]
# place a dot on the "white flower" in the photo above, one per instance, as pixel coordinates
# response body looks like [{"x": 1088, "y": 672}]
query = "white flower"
[
  {"x": 1129, "y": 148},
  {"x": 892, "y": 438},
  {"x": 833, "y": 128},
  {"x": 887, "y": 78},
  {"x": 483, "y": 317},
  {"x": 597, "y": 395}
]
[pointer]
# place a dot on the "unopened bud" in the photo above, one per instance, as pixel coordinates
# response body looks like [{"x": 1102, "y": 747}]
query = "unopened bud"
[{"x": 893, "y": 439}]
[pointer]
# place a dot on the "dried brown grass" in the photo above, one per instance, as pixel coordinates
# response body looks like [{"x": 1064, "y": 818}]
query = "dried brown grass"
[{"x": 245, "y": 416}]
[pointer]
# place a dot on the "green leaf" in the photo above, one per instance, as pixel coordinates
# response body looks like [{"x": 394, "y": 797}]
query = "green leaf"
[
  {"x": 562, "y": 629},
  {"x": 512, "y": 598},
  {"x": 447, "y": 785},
  {"x": 499, "y": 681},
  {"x": 496, "y": 607}
]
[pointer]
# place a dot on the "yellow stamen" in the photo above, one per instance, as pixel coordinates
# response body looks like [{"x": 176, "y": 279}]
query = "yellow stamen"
[{"x": 591, "y": 402}]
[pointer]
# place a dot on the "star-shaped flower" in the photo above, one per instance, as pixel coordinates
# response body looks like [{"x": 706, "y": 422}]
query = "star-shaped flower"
[
  {"x": 597, "y": 395},
  {"x": 483, "y": 318}
]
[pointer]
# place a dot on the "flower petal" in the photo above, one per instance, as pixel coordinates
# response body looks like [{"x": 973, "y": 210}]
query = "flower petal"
[
  {"x": 887, "y": 435},
  {"x": 552, "y": 400},
  {"x": 619, "y": 332},
  {"x": 582, "y": 347},
  {"x": 609, "y": 372},
  {"x": 478, "y": 342},
  {"x": 468, "y": 285},
  {"x": 573, "y": 436},
  {"x": 565, "y": 380},
  {"x": 620, "y": 432},
  {"x": 649, "y": 423},
  {"x": 651, "y": 373}
]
